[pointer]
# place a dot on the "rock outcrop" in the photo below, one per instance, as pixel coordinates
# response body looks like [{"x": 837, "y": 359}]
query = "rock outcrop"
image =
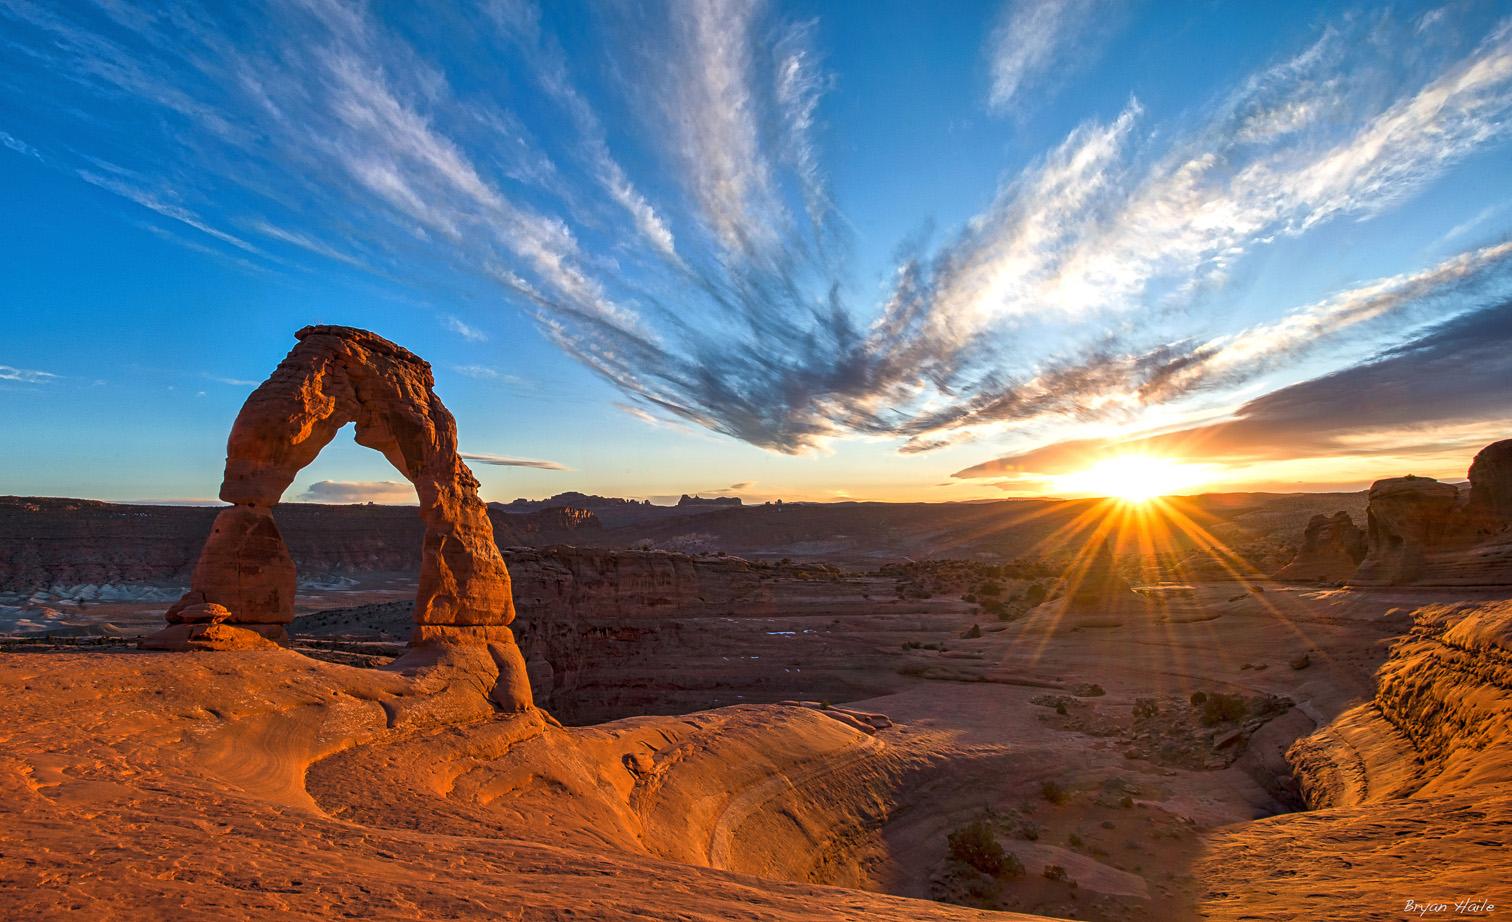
[
  {"x": 336, "y": 376},
  {"x": 1332, "y": 548},
  {"x": 1423, "y": 532},
  {"x": 1439, "y": 721}
]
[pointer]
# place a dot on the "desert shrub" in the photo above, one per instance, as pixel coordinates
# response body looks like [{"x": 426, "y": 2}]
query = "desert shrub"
[
  {"x": 1035, "y": 594},
  {"x": 1220, "y": 708},
  {"x": 1054, "y": 793},
  {"x": 1074, "y": 840},
  {"x": 1126, "y": 802},
  {"x": 973, "y": 633},
  {"x": 1054, "y": 872},
  {"x": 975, "y": 845},
  {"x": 989, "y": 588},
  {"x": 1145, "y": 707},
  {"x": 1198, "y": 697}
]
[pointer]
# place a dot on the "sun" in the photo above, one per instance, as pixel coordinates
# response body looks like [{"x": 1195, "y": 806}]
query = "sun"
[{"x": 1132, "y": 478}]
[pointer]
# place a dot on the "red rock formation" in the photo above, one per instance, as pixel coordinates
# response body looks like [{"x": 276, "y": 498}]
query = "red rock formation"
[
  {"x": 1490, "y": 506},
  {"x": 1332, "y": 548},
  {"x": 1407, "y": 517},
  {"x": 334, "y": 376},
  {"x": 1430, "y": 533}
]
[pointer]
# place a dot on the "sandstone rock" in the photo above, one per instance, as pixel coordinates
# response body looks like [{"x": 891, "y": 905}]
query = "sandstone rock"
[
  {"x": 199, "y": 613},
  {"x": 1490, "y": 504},
  {"x": 1406, "y": 518},
  {"x": 335, "y": 376},
  {"x": 215, "y": 636},
  {"x": 1332, "y": 548}
]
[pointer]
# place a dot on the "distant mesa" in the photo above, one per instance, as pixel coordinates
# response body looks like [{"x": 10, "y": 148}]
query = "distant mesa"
[
  {"x": 571, "y": 498},
  {"x": 242, "y": 589},
  {"x": 686, "y": 500}
]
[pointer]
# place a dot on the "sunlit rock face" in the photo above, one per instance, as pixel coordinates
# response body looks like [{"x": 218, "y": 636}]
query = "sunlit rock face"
[
  {"x": 1421, "y": 531},
  {"x": 335, "y": 376},
  {"x": 1438, "y": 723},
  {"x": 1332, "y": 548},
  {"x": 1490, "y": 505}
]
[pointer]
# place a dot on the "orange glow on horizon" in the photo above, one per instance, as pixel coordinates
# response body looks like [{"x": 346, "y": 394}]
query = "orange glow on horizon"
[{"x": 1134, "y": 479}]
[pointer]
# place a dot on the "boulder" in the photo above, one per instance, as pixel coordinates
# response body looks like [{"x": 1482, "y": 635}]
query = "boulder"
[{"x": 1332, "y": 548}]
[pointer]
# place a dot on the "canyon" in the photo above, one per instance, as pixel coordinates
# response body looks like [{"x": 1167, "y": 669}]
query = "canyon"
[{"x": 894, "y": 711}]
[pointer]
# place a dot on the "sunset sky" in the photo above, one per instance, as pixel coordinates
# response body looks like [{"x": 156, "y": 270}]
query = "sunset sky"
[{"x": 820, "y": 250}]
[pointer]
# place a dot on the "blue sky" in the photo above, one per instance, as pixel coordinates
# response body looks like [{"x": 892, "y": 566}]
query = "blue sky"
[{"x": 810, "y": 250}]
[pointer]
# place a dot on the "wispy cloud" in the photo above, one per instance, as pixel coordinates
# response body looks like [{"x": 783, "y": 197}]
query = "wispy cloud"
[
  {"x": 1035, "y": 39},
  {"x": 232, "y": 382},
  {"x": 464, "y": 330},
  {"x": 504, "y": 461},
  {"x": 157, "y": 202},
  {"x": 1444, "y": 390},
  {"x": 1068, "y": 297},
  {"x": 25, "y": 375}
]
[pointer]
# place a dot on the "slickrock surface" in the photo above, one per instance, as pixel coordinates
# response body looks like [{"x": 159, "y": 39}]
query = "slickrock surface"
[
  {"x": 266, "y": 785},
  {"x": 1332, "y": 548},
  {"x": 1411, "y": 790}
]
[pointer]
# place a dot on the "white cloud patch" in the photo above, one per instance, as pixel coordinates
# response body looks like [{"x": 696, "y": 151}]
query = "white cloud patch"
[
  {"x": 506, "y": 461},
  {"x": 464, "y": 330},
  {"x": 384, "y": 492},
  {"x": 1034, "y": 39}
]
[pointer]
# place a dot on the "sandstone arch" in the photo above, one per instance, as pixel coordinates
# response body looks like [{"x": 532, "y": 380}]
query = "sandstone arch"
[{"x": 245, "y": 577}]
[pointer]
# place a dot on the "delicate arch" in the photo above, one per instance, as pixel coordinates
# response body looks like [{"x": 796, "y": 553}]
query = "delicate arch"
[{"x": 334, "y": 376}]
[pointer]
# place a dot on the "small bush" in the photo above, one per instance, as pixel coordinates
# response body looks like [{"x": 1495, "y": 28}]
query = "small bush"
[
  {"x": 1054, "y": 872},
  {"x": 1035, "y": 594},
  {"x": 1126, "y": 802},
  {"x": 1054, "y": 793},
  {"x": 1220, "y": 708},
  {"x": 1145, "y": 707},
  {"x": 1075, "y": 841},
  {"x": 976, "y": 846},
  {"x": 1198, "y": 697}
]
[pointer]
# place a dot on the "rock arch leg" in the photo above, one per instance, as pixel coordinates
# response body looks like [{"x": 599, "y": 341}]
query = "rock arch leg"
[{"x": 245, "y": 577}]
